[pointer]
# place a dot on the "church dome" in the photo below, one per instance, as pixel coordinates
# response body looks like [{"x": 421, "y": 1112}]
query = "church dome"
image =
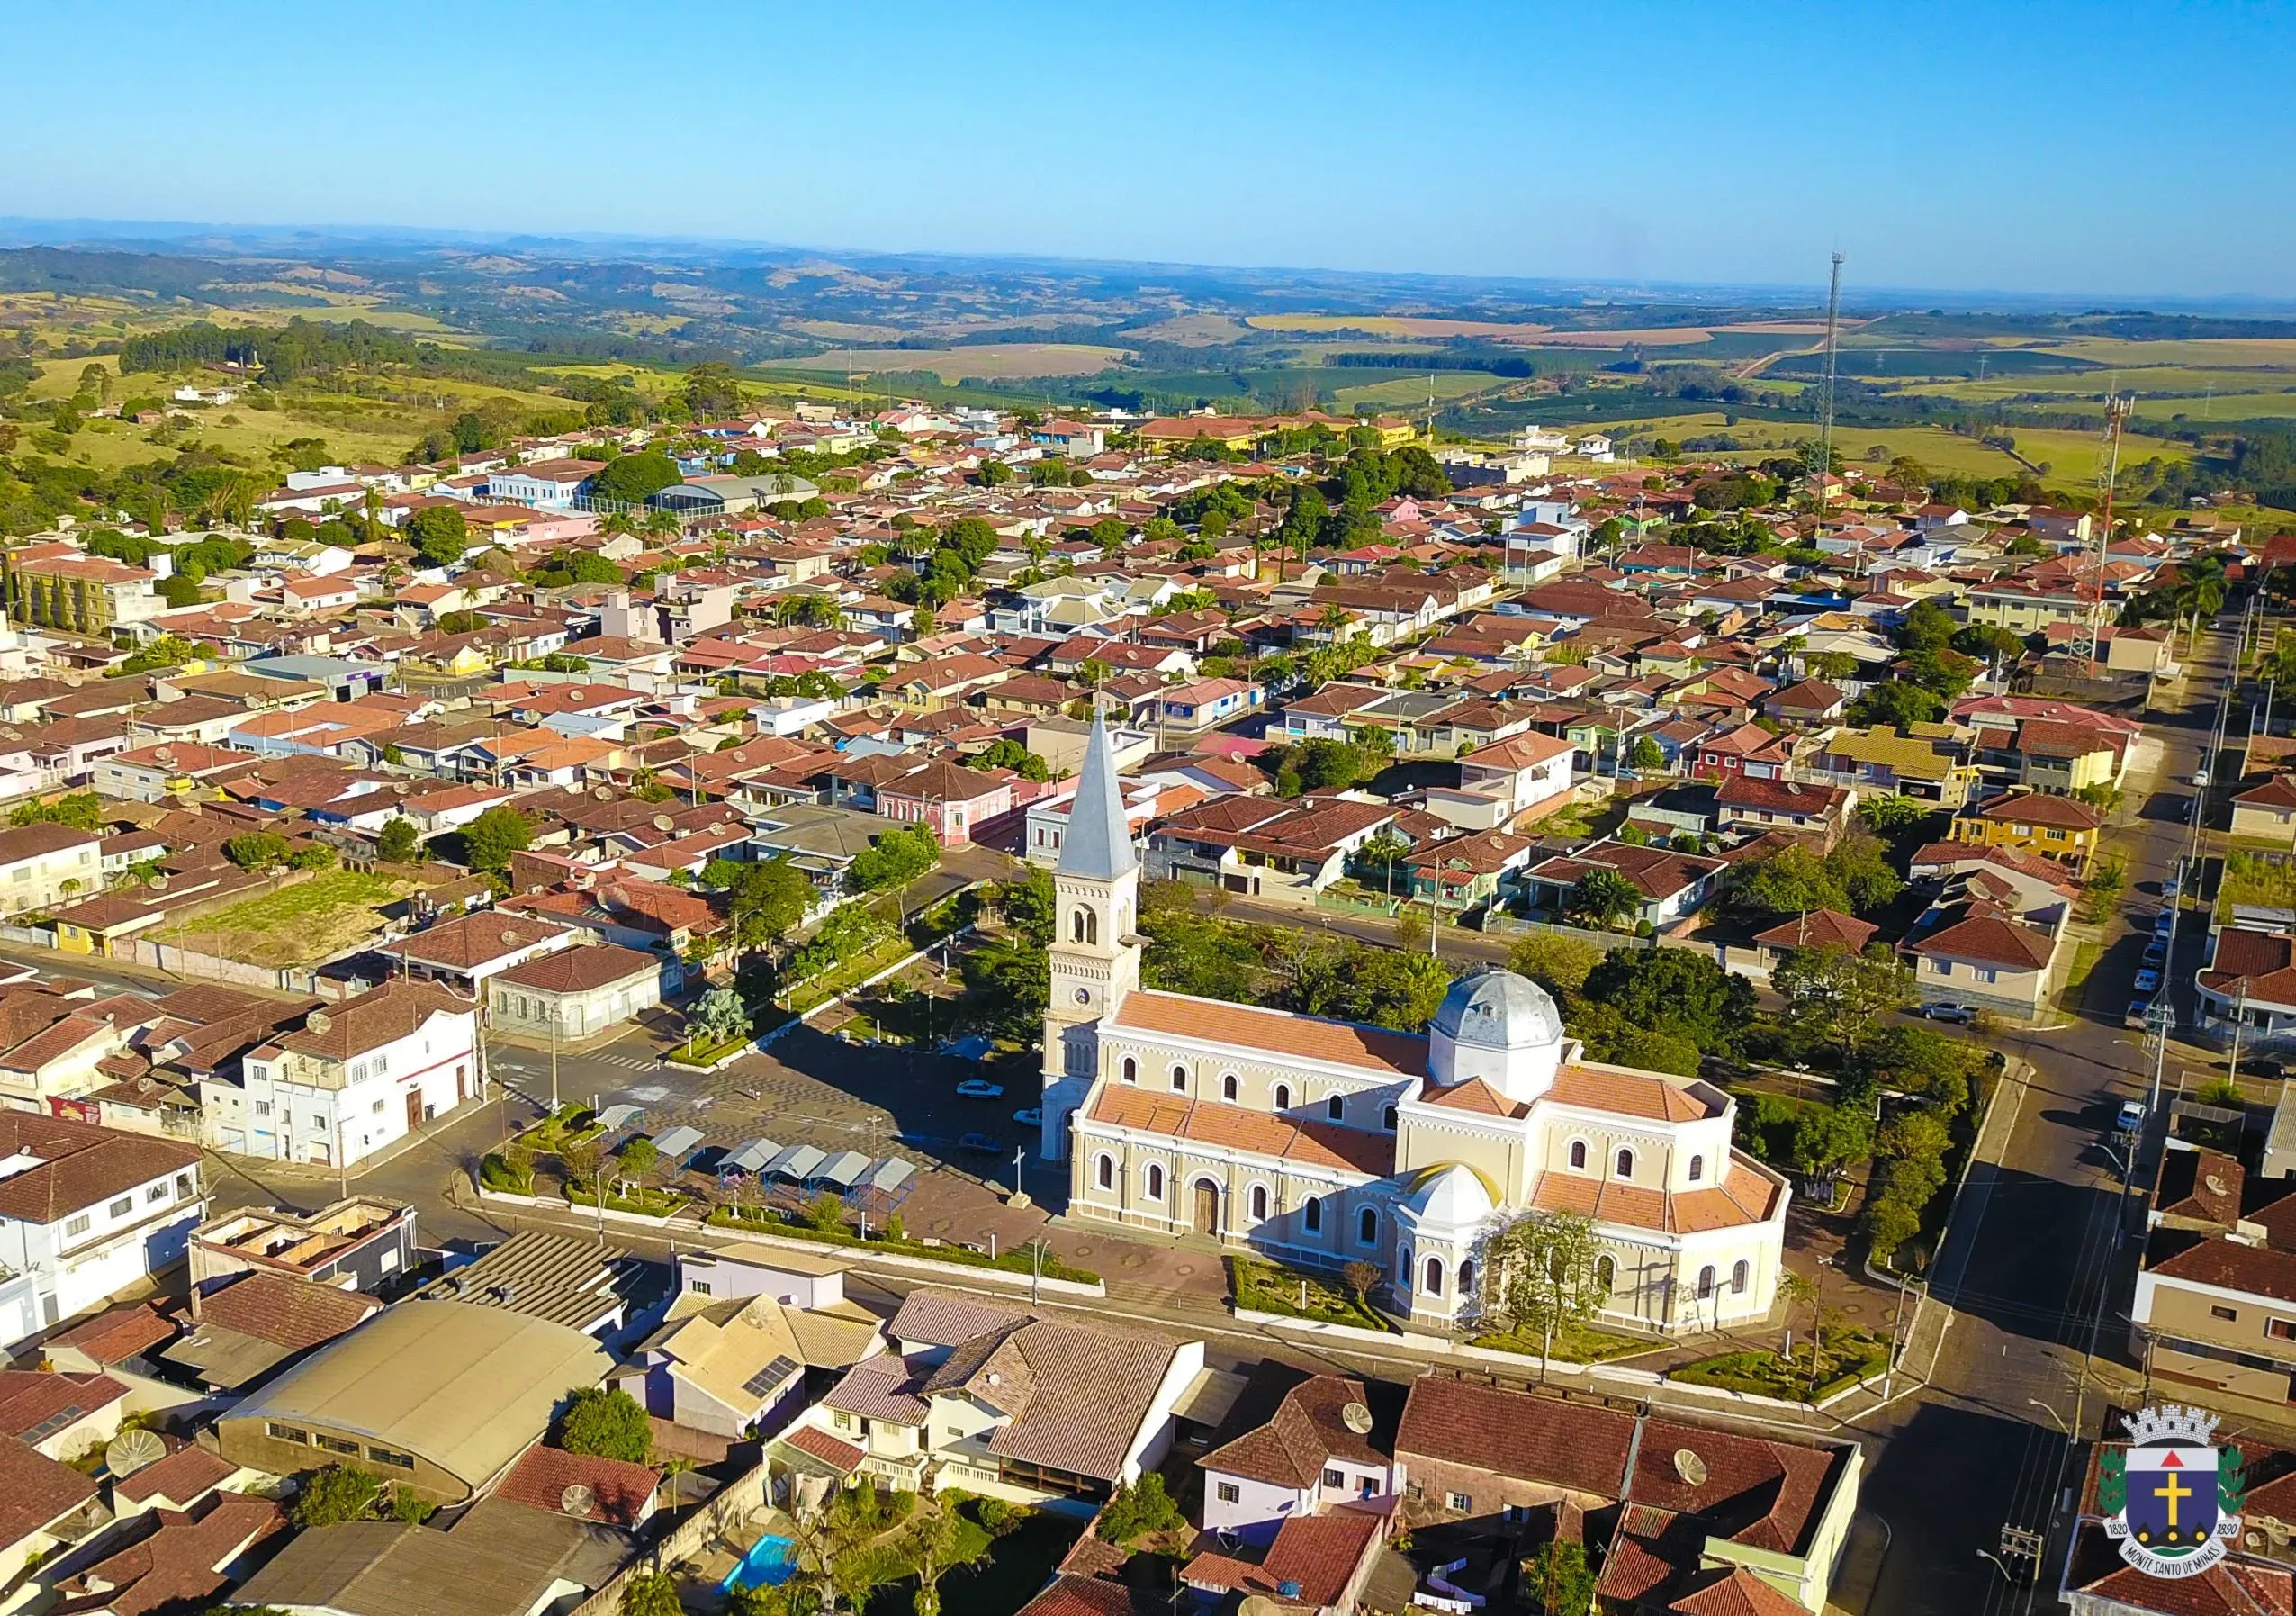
[
  {"x": 1497, "y": 1010},
  {"x": 1451, "y": 1197}
]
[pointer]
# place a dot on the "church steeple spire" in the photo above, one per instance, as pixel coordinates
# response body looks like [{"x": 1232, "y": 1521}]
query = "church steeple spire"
[{"x": 1098, "y": 845}]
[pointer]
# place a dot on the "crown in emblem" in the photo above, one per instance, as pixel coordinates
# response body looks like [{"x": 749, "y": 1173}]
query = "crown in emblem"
[{"x": 2171, "y": 1423}]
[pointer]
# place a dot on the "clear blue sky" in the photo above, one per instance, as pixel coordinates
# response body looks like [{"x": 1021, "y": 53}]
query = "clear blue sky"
[{"x": 2113, "y": 148}]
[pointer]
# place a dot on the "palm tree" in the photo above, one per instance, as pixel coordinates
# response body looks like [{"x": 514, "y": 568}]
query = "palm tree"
[
  {"x": 675, "y": 1468},
  {"x": 619, "y": 523},
  {"x": 664, "y": 524}
]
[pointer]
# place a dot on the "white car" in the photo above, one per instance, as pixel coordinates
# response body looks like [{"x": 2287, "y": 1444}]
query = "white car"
[{"x": 977, "y": 1089}]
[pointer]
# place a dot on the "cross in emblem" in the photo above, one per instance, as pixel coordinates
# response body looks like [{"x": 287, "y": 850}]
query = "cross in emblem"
[{"x": 2172, "y": 1490}]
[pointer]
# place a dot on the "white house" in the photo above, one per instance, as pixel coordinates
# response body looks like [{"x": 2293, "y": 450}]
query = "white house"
[
  {"x": 38, "y": 861},
  {"x": 85, "y": 1212},
  {"x": 549, "y": 483},
  {"x": 354, "y": 1079},
  {"x": 1293, "y": 1443}
]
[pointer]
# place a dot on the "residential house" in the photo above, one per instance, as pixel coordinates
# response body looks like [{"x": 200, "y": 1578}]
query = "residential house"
[
  {"x": 1745, "y": 802},
  {"x": 1928, "y": 761},
  {"x": 955, "y": 800},
  {"x": 1265, "y": 847},
  {"x": 741, "y": 1367},
  {"x": 999, "y": 1400},
  {"x": 576, "y": 993},
  {"x": 1671, "y": 884},
  {"x": 43, "y": 865},
  {"x": 471, "y": 949},
  {"x": 359, "y": 1243},
  {"x": 2214, "y": 1316},
  {"x": 1293, "y": 1443},
  {"x": 84, "y": 1213},
  {"x": 2059, "y": 827}
]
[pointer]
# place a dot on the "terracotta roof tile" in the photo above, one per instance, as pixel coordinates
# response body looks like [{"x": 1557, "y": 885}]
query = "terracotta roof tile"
[
  {"x": 1337, "y": 1042},
  {"x": 619, "y": 1491},
  {"x": 1237, "y": 1127},
  {"x": 1518, "y": 1434},
  {"x": 287, "y": 1311}
]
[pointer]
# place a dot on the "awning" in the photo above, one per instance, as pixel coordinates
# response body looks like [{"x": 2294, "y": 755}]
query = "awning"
[
  {"x": 750, "y": 1158},
  {"x": 796, "y": 1163},
  {"x": 843, "y": 1169},
  {"x": 678, "y": 1143}
]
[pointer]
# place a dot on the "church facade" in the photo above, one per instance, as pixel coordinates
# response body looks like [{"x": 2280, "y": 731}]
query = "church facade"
[{"x": 1322, "y": 1142}]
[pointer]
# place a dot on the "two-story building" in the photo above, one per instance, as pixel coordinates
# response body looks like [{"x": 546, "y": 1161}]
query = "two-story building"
[
  {"x": 86, "y": 1212},
  {"x": 352, "y": 1080}
]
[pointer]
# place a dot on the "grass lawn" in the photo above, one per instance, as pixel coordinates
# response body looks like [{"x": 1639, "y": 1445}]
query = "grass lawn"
[
  {"x": 2086, "y": 956},
  {"x": 1848, "y": 1356},
  {"x": 1011, "y": 1571},
  {"x": 1266, "y": 1287},
  {"x": 1579, "y": 1344},
  {"x": 989, "y": 359},
  {"x": 298, "y": 924}
]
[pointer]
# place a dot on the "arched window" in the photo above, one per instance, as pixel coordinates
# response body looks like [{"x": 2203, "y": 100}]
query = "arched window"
[
  {"x": 1085, "y": 928},
  {"x": 1311, "y": 1215},
  {"x": 1284, "y": 1097},
  {"x": 1387, "y": 1118},
  {"x": 1607, "y": 1273},
  {"x": 1697, "y": 1168},
  {"x": 1625, "y": 1162},
  {"x": 1367, "y": 1227},
  {"x": 1336, "y": 1108},
  {"x": 1705, "y": 1282},
  {"x": 1131, "y": 1069},
  {"x": 1738, "y": 1274},
  {"x": 1105, "y": 1172},
  {"x": 1230, "y": 1088},
  {"x": 1433, "y": 1282},
  {"x": 1155, "y": 1182},
  {"x": 1179, "y": 1080},
  {"x": 1577, "y": 1147},
  {"x": 1259, "y": 1202}
]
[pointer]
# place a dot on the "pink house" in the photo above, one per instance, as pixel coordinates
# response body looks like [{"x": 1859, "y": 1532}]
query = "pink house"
[{"x": 954, "y": 801}]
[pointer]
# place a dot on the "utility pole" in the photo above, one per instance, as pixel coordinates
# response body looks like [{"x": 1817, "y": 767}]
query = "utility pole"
[{"x": 2091, "y": 629}]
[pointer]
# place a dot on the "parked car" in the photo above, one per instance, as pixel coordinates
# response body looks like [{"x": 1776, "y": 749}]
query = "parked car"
[
  {"x": 2131, "y": 1117},
  {"x": 1960, "y": 1014},
  {"x": 2171, "y": 887},
  {"x": 980, "y": 1089},
  {"x": 1031, "y": 1117},
  {"x": 2148, "y": 982},
  {"x": 2137, "y": 1013},
  {"x": 2164, "y": 922},
  {"x": 2156, "y": 952},
  {"x": 981, "y": 1144}
]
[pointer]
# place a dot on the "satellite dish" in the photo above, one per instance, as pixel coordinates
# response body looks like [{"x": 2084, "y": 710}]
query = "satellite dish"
[
  {"x": 510, "y": 938},
  {"x": 132, "y": 1450},
  {"x": 1689, "y": 1467},
  {"x": 664, "y": 822},
  {"x": 578, "y": 1500},
  {"x": 1356, "y": 1418},
  {"x": 165, "y": 756},
  {"x": 157, "y": 883},
  {"x": 319, "y": 1021},
  {"x": 576, "y": 693},
  {"x": 603, "y": 793},
  {"x": 2213, "y": 1184}
]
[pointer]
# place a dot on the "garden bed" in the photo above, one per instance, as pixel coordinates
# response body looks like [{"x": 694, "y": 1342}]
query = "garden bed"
[
  {"x": 1260, "y": 1286},
  {"x": 1579, "y": 1344},
  {"x": 1010, "y": 1261},
  {"x": 708, "y": 1054},
  {"x": 1848, "y": 1359},
  {"x": 652, "y": 1203}
]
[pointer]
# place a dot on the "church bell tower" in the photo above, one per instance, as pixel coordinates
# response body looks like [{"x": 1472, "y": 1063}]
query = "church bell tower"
[{"x": 1095, "y": 961}]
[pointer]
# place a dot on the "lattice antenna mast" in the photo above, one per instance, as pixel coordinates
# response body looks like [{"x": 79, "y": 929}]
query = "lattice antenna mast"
[
  {"x": 1825, "y": 389},
  {"x": 2117, "y": 409}
]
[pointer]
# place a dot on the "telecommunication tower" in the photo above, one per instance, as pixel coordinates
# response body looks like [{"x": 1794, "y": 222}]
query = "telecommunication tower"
[
  {"x": 1825, "y": 389},
  {"x": 2089, "y": 627}
]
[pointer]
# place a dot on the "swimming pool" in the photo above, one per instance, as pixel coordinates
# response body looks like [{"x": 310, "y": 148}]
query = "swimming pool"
[{"x": 767, "y": 1565}]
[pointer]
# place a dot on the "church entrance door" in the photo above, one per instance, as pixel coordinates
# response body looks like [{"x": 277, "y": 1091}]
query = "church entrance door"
[{"x": 1207, "y": 1208}]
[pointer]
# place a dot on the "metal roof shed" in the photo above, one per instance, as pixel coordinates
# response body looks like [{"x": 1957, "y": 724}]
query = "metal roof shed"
[
  {"x": 796, "y": 1163},
  {"x": 843, "y": 1169},
  {"x": 614, "y": 1118},
  {"x": 888, "y": 1176},
  {"x": 675, "y": 1145},
  {"x": 750, "y": 1158}
]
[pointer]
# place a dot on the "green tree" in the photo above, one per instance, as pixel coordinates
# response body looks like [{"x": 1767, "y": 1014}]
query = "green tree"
[
  {"x": 490, "y": 840},
  {"x": 1561, "y": 965},
  {"x": 898, "y": 856},
  {"x": 717, "y": 1015},
  {"x": 1005, "y": 752},
  {"x": 1138, "y": 1509},
  {"x": 81, "y": 811},
  {"x": 1675, "y": 991},
  {"x": 1540, "y": 1277},
  {"x": 336, "y": 1495},
  {"x": 1832, "y": 995},
  {"x": 606, "y": 1423},
  {"x": 398, "y": 841},
  {"x": 1792, "y": 880},
  {"x": 1558, "y": 1580},
  {"x": 1928, "y": 626},
  {"x": 651, "y": 1594},
  {"x": 1604, "y": 896},
  {"x": 1645, "y": 755},
  {"x": 1895, "y": 705},
  {"x": 256, "y": 850},
  {"x": 438, "y": 534},
  {"x": 1028, "y": 905},
  {"x": 770, "y": 899},
  {"x": 631, "y": 478}
]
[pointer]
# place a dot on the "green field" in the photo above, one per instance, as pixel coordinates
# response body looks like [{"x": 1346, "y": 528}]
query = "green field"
[{"x": 299, "y": 923}]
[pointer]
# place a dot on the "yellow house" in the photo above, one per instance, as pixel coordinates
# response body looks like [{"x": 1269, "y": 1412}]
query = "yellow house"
[{"x": 2059, "y": 828}]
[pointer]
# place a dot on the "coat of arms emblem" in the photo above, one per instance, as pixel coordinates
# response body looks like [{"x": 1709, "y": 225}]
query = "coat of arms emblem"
[{"x": 2172, "y": 1498}]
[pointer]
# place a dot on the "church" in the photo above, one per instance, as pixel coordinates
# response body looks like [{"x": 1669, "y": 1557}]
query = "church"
[{"x": 1322, "y": 1143}]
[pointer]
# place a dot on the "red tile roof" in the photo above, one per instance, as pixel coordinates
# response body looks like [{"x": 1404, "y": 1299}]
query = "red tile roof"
[
  {"x": 1518, "y": 1434},
  {"x": 1239, "y": 1128},
  {"x": 619, "y": 1491},
  {"x": 1339, "y": 1043}
]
